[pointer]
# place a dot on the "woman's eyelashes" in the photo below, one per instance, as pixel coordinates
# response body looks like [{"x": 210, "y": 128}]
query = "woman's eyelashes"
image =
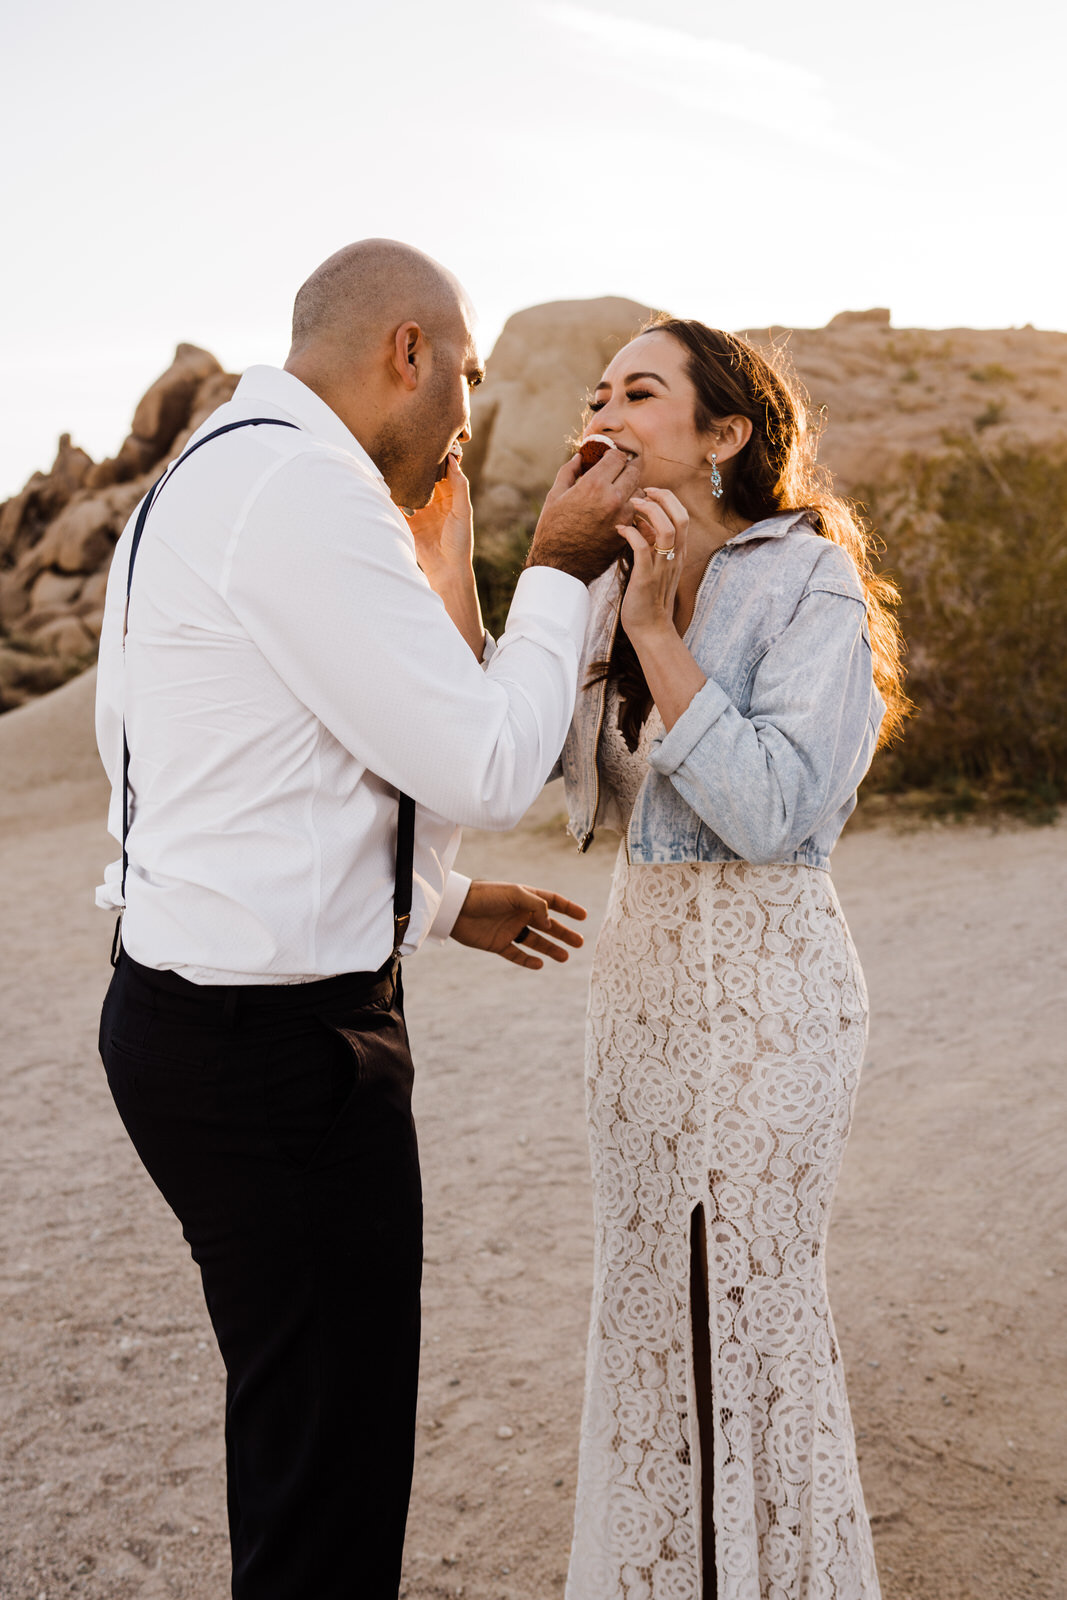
[{"x": 631, "y": 394}]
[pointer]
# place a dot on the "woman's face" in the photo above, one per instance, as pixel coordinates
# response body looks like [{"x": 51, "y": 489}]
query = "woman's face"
[{"x": 644, "y": 403}]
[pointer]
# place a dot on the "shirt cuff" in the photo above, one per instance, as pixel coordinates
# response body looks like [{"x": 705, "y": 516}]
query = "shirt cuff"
[
  {"x": 451, "y": 905},
  {"x": 109, "y": 893},
  {"x": 550, "y": 592},
  {"x": 676, "y": 746}
]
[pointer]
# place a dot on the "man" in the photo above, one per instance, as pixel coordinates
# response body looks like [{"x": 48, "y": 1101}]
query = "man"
[{"x": 281, "y": 670}]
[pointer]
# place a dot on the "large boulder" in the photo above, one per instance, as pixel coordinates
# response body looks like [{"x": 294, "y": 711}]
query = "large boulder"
[
  {"x": 57, "y": 536},
  {"x": 162, "y": 414},
  {"x": 537, "y": 382},
  {"x": 165, "y": 407}
]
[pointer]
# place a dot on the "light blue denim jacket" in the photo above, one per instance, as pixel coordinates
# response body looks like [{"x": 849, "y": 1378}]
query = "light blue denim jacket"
[{"x": 764, "y": 763}]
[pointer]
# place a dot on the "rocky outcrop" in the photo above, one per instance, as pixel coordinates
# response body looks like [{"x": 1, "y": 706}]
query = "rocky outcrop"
[
  {"x": 878, "y": 394},
  {"x": 56, "y": 537},
  {"x": 529, "y": 407}
]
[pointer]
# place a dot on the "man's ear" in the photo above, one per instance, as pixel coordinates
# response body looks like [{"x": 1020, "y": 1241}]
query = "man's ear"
[{"x": 408, "y": 354}]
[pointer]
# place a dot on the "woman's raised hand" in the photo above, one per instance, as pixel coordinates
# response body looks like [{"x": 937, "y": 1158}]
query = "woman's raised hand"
[
  {"x": 657, "y": 540},
  {"x": 443, "y": 529},
  {"x": 443, "y": 532}
]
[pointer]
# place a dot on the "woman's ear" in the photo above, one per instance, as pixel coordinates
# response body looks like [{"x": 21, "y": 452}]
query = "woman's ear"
[
  {"x": 409, "y": 349},
  {"x": 728, "y": 436}
]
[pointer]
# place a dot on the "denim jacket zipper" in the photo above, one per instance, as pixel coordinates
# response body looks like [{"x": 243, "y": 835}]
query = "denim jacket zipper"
[{"x": 602, "y": 691}]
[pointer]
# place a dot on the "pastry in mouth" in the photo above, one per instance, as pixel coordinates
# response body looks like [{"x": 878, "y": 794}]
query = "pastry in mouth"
[
  {"x": 595, "y": 445},
  {"x": 457, "y": 451}
]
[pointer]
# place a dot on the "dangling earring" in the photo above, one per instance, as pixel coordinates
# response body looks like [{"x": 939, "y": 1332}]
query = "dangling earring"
[{"x": 716, "y": 478}]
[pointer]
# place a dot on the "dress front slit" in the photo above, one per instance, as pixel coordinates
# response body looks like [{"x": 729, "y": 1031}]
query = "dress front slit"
[
  {"x": 703, "y": 1404},
  {"x": 727, "y": 1027}
]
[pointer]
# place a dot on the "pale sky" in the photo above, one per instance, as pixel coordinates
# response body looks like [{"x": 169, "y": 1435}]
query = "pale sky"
[{"x": 175, "y": 173}]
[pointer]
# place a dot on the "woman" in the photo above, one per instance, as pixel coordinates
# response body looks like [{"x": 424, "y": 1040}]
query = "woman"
[{"x": 739, "y": 666}]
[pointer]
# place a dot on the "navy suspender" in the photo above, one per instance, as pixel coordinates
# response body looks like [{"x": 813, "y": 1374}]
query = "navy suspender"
[{"x": 405, "y": 833}]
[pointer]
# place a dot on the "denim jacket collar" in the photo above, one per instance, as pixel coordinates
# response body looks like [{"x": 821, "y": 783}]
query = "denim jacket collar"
[{"x": 747, "y": 599}]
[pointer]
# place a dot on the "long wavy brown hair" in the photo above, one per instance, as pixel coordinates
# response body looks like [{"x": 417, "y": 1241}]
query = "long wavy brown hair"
[{"x": 776, "y": 471}]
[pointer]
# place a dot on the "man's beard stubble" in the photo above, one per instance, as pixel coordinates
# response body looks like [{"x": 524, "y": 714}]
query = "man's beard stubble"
[{"x": 408, "y": 452}]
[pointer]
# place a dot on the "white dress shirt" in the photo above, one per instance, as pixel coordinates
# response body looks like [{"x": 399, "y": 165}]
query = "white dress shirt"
[{"x": 287, "y": 668}]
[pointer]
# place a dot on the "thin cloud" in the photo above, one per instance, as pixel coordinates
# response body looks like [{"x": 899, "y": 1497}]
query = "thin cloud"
[{"x": 714, "y": 76}]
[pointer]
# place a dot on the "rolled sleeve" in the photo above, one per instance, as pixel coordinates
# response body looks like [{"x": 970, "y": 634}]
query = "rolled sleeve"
[{"x": 764, "y": 780}]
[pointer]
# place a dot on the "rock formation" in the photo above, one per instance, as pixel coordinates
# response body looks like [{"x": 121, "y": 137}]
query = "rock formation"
[
  {"x": 56, "y": 537},
  {"x": 537, "y": 381},
  {"x": 879, "y": 394}
]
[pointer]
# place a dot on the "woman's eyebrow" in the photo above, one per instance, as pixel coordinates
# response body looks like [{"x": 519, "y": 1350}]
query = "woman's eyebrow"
[{"x": 632, "y": 378}]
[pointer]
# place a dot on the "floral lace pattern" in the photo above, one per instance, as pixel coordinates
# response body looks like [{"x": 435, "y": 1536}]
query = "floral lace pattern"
[{"x": 727, "y": 1026}]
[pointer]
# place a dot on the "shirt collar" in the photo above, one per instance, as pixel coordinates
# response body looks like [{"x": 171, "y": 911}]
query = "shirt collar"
[{"x": 282, "y": 391}]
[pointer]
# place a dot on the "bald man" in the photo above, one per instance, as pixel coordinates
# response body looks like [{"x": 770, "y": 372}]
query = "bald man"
[{"x": 286, "y": 652}]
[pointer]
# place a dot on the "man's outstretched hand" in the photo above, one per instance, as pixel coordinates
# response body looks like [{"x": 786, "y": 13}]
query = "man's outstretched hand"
[{"x": 494, "y": 913}]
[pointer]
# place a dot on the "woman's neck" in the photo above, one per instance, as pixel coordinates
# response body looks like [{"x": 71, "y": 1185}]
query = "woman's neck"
[{"x": 709, "y": 529}]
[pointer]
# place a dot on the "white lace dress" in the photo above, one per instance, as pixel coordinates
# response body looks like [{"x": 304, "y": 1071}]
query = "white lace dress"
[{"x": 727, "y": 1026}]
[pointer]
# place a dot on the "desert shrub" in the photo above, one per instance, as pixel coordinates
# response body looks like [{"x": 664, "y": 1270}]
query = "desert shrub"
[
  {"x": 498, "y": 560},
  {"x": 977, "y": 541},
  {"x": 992, "y": 372},
  {"x": 990, "y": 416},
  {"x": 978, "y": 544}
]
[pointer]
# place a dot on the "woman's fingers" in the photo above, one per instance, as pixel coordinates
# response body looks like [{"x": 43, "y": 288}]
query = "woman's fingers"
[
  {"x": 654, "y": 518},
  {"x": 662, "y": 521}
]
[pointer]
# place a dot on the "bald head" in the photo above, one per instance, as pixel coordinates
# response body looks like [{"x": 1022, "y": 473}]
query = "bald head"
[
  {"x": 382, "y": 333},
  {"x": 364, "y": 292}
]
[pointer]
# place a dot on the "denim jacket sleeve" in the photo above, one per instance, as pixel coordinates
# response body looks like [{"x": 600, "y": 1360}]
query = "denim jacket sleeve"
[{"x": 764, "y": 780}]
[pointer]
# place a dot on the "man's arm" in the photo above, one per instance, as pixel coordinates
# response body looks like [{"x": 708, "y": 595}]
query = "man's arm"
[{"x": 323, "y": 577}]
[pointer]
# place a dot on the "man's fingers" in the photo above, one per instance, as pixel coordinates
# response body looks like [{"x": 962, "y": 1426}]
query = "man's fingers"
[
  {"x": 615, "y": 465},
  {"x": 567, "y": 476},
  {"x": 519, "y": 955},
  {"x": 538, "y": 918},
  {"x": 559, "y": 902},
  {"x": 545, "y": 947}
]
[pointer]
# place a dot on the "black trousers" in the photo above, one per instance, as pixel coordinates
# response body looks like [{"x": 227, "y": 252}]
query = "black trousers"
[{"x": 276, "y": 1121}]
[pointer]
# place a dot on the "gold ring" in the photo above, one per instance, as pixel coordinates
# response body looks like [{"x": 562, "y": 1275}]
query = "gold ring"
[{"x": 668, "y": 551}]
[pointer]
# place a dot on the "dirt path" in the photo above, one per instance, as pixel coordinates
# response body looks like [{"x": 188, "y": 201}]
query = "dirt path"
[{"x": 947, "y": 1266}]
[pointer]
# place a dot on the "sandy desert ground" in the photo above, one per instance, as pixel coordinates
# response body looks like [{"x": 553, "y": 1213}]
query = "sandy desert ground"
[{"x": 947, "y": 1262}]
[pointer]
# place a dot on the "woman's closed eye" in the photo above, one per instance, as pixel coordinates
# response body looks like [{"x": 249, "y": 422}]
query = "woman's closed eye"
[{"x": 631, "y": 394}]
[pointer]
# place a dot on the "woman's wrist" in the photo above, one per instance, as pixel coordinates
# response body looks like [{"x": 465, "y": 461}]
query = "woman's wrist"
[
  {"x": 458, "y": 591},
  {"x": 672, "y": 673}
]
